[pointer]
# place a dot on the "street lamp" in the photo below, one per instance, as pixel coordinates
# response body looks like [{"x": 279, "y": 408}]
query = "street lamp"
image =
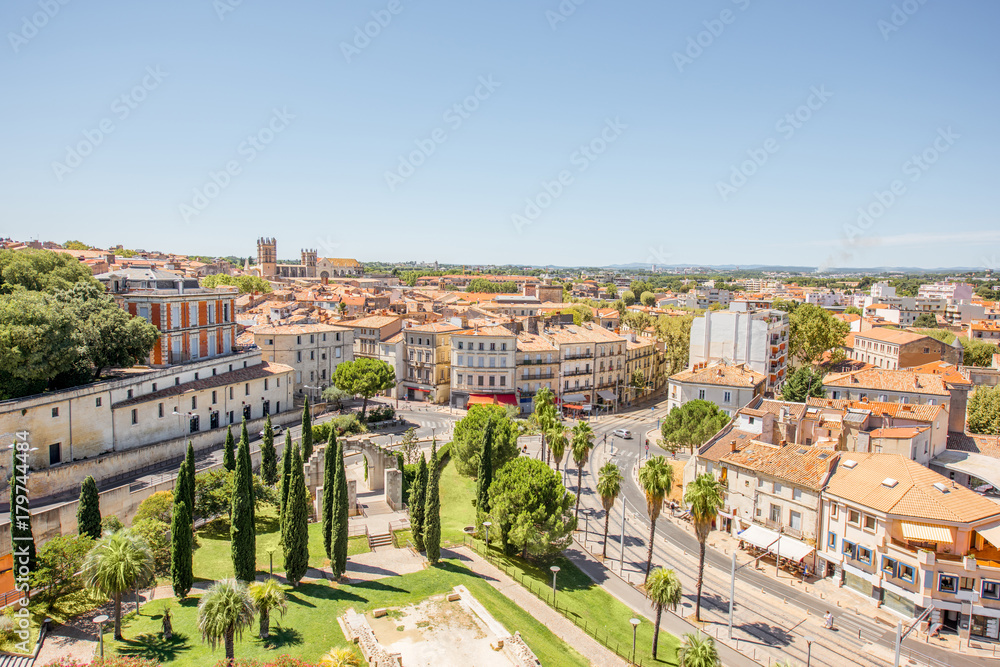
[
  {"x": 635, "y": 626},
  {"x": 270, "y": 554},
  {"x": 809, "y": 652},
  {"x": 100, "y": 621},
  {"x": 555, "y": 571}
]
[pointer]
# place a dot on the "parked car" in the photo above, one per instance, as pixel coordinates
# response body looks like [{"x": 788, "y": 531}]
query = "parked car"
[
  {"x": 622, "y": 433},
  {"x": 278, "y": 429}
]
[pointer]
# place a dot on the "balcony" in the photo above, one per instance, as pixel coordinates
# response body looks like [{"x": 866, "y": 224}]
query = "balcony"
[
  {"x": 542, "y": 376},
  {"x": 582, "y": 355},
  {"x": 578, "y": 372}
]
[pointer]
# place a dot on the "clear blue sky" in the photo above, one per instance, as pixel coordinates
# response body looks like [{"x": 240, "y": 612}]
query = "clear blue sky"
[{"x": 675, "y": 130}]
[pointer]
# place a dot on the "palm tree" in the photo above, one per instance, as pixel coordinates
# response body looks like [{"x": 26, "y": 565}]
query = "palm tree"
[
  {"x": 557, "y": 444},
  {"x": 704, "y": 499},
  {"x": 609, "y": 486},
  {"x": 545, "y": 415},
  {"x": 698, "y": 650},
  {"x": 340, "y": 657},
  {"x": 118, "y": 563},
  {"x": 224, "y": 612},
  {"x": 656, "y": 477},
  {"x": 583, "y": 440},
  {"x": 663, "y": 588},
  {"x": 267, "y": 596}
]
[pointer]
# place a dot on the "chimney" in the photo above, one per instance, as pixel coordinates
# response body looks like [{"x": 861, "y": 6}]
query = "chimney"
[
  {"x": 732, "y": 445},
  {"x": 180, "y": 285}
]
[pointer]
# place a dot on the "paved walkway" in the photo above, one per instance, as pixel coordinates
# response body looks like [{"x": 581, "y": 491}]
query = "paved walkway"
[
  {"x": 383, "y": 562},
  {"x": 543, "y": 613}
]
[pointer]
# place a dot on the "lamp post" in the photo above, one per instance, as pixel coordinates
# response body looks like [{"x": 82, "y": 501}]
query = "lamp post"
[
  {"x": 809, "y": 650},
  {"x": 270, "y": 555},
  {"x": 555, "y": 571},
  {"x": 635, "y": 626},
  {"x": 621, "y": 563},
  {"x": 100, "y": 621},
  {"x": 486, "y": 525}
]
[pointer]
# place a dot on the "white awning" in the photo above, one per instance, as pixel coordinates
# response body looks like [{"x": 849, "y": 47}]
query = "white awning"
[
  {"x": 606, "y": 395},
  {"x": 991, "y": 533},
  {"x": 780, "y": 545},
  {"x": 574, "y": 398}
]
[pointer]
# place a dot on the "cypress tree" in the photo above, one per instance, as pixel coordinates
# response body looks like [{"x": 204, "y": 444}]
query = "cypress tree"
[
  {"x": 191, "y": 486},
  {"x": 401, "y": 466},
  {"x": 307, "y": 433},
  {"x": 432, "y": 511},
  {"x": 286, "y": 471},
  {"x": 182, "y": 493},
  {"x": 295, "y": 523},
  {"x": 181, "y": 551},
  {"x": 229, "y": 451},
  {"x": 242, "y": 533},
  {"x": 340, "y": 516},
  {"x": 88, "y": 513},
  {"x": 418, "y": 493},
  {"x": 485, "y": 476},
  {"x": 21, "y": 537},
  {"x": 268, "y": 457},
  {"x": 329, "y": 489}
]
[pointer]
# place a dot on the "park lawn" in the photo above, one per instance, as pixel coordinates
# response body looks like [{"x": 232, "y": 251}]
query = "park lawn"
[
  {"x": 357, "y": 545},
  {"x": 309, "y": 629},
  {"x": 402, "y": 537},
  {"x": 457, "y": 511}
]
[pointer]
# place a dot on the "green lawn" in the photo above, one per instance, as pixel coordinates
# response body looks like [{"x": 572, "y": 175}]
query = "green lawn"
[
  {"x": 357, "y": 545},
  {"x": 457, "y": 511},
  {"x": 309, "y": 629}
]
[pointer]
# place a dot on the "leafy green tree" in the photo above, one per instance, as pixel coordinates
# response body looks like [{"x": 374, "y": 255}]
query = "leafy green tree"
[
  {"x": 984, "y": 411},
  {"x": 675, "y": 332},
  {"x": 307, "y": 432},
  {"x": 182, "y": 492},
  {"x": 88, "y": 512},
  {"x": 418, "y": 494},
  {"x": 533, "y": 509},
  {"x": 245, "y": 284},
  {"x": 467, "y": 439},
  {"x": 158, "y": 506},
  {"x": 286, "y": 471},
  {"x": 58, "y": 561},
  {"x": 647, "y": 299},
  {"x": 484, "y": 477},
  {"x": 704, "y": 500},
  {"x": 609, "y": 487},
  {"x": 229, "y": 451},
  {"x": 334, "y": 395},
  {"x": 785, "y": 305},
  {"x": 190, "y": 486},
  {"x": 181, "y": 550},
  {"x": 225, "y": 611},
  {"x": 243, "y": 531},
  {"x": 803, "y": 383},
  {"x": 978, "y": 352},
  {"x": 610, "y": 291},
  {"x": 267, "y": 597},
  {"x": 295, "y": 523},
  {"x": 545, "y": 415},
  {"x": 583, "y": 441},
  {"x": 432, "y": 510},
  {"x": 663, "y": 588},
  {"x": 637, "y": 321},
  {"x": 558, "y": 442},
  {"x": 813, "y": 331},
  {"x": 268, "y": 456},
  {"x": 926, "y": 320},
  {"x": 75, "y": 245},
  {"x": 329, "y": 490},
  {"x": 853, "y": 310},
  {"x": 656, "y": 477},
  {"x": 118, "y": 563},
  {"x": 364, "y": 377},
  {"x": 38, "y": 344},
  {"x": 156, "y": 535},
  {"x": 628, "y": 297},
  {"x": 41, "y": 271},
  {"x": 638, "y": 287},
  {"x": 692, "y": 424},
  {"x": 341, "y": 512},
  {"x": 698, "y": 650}
]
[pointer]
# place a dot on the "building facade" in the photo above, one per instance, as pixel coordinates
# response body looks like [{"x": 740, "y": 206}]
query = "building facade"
[
  {"x": 758, "y": 339},
  {"x": 483, "y": 366},
  {"x": 729, "y": 387},
  {"x": 313, "y": 350},
  {"x": 428, "y": 362}
]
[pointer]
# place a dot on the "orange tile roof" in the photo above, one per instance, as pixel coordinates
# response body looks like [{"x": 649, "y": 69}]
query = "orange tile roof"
[
  {"x": 798, "y": 464},
  {"x": 916, "y": 412},
  {"x": 528, "y": 342},
  {"x": 280, "y": 329},
  {"x": 723, "y": 375},
  {"x": 893, "y": 336},
  {"x": 899, "y": 432},
  {"x": 948, "y": 371},
  {"x": 901, "y": 381},
  {"x": 913, "y": 495},
  {"x": 435, "y": 327},
  {"x": 373, "y": 322}
]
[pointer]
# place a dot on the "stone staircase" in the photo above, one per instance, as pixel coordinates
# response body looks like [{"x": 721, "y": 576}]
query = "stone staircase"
[{"x": 383, "y": 540}]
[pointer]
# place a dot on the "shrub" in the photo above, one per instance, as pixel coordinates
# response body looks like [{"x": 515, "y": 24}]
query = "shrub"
[
  {"x": 7, "y": 627},
  {"x": 345, "y": 425},
  {"x": 158, "y": 506},
  {"x": 382, "y": 413},
  {"x": 58, "y": 563},
  {"x": 156, "y": 534},
  {"x": 111, "y": 524}
]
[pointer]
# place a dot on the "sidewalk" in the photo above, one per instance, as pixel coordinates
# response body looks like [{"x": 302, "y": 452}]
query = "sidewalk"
[{"x": 543, "y": 613}]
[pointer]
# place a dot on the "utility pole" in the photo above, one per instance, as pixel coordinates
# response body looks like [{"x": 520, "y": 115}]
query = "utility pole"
[
  {"x": 621, "y": 564},
  {"x": 899, "y": 642},
  {"x": 732, "y": 593}
]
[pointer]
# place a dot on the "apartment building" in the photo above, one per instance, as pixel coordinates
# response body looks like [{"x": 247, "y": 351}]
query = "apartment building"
[
  {"x": 950, "y": 292},
  {"x": 313, "y": 350},
  {"x": 729, "y": 387},
  {"x": 428, "y": 361},
  {"x": 592, "y": 365},
  {"x": 706, "y": 297},
  {"x": 907, "y": 537},
  {"x": 893, "y": 349},
  {"x": 537, "y": 368},
  {"x": 370, "y": 331},
  {"x": 643, "y": 359},
  {"x": 194, "y": 322},
  {"x": 758, "y": 339},
  {"x": 483, "y": 366},
  {"x": 988, "y": 331}
]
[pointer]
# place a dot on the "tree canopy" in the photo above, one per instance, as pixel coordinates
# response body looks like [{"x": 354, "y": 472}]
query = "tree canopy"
[
  {"x": 245, "y": 284},
  {"x": 801, "y": 384},
  {"x": 532, "y": 508},
  {"x": 675, "y": 332},
  {"x": 469, "y": 435},
  {"x": 692, "y": 424},
  {"x": 40, "y": 271},
  {"x": 984, "y": 411},
  {"x": 485, "y": 286},
  {"x": 364, "y": 377},
  {"x": 813, "y": 331}
]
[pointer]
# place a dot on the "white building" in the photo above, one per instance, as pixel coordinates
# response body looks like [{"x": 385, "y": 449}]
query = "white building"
[
  {"x": 729, "y": 387},
  {"x": 758, "y": 339},
  {"x": 951, "y": 292}
]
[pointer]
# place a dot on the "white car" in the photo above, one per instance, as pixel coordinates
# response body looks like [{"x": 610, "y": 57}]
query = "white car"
[
  {"x": 278, "y": 429},
  {"x": 622, "y": 433}
]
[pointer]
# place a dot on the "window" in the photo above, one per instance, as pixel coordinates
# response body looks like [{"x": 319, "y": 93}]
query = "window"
[
  {"x": 246, "y": 389},
  {"x": 503, "y": 380},
  {"x": 701, "y": 394},
  {"x": 159, "y": 410},
  {"x": 298, "y": 356},
  {"x": 948, "y": 583},
  {"x": 135, "y": 416},
  {"x": 230, "y": 393},
  {"x": 479, "y": 380},
  {"x": 848, "y": 547},
  {"x": 459, "y": 378},
  {"x": 460, "y": 346},
  {"x": 831, "y": 540},
  {"x": 889, "y": 566},
  {"x": 967, "y": 583},
  {"x": 461, "y": 360},
  {"x": 796, "y": 494},
  {"x": 312, "y": 355},
  {"x": 154, "y": 387},
  {"x": 777, "y": 488},
  {"x": 215, "y": 397},
  {"x": 775, "y": 514},
  {"x": 869, "y": 522},
  {"x": 905, "y": 572},
  {"x": 194, "y": 402},
  {"x": 97, "y": 401},
  {"x": 55, "y": 454},
  {"x": 854, "y": 517},
  {"x": 991, "y": 589},
  {"x": 493, "y": 380},
  {"x": 795, "y": 520},
  {"x": 865, "y": 555},
  {"x": 265, "y": 385},
  {"x": 55, "y": 411}
]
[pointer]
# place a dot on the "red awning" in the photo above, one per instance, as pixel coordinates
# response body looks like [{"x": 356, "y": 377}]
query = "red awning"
[
  {"x": 573, "y": 406},
  {"x": 492, "y": 399}
]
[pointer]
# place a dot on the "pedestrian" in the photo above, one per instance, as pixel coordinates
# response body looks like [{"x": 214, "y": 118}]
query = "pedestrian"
[{"x": 828, "y": 620}]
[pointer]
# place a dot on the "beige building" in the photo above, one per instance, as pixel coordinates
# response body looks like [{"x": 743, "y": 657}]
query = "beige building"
[
  {"x": 313, "y": 350},
  {"x": 483, "y": 364},
  {"x": 592, "y": 365},
  {"x": 370, "y": 331},
  {"x": 642, "y": 358},
  {"x": 729, "y": 387},
  {"x": 537, "y": 368},
  {"x": 428, "y": 362},
  {"x": 892, "y": 349}
]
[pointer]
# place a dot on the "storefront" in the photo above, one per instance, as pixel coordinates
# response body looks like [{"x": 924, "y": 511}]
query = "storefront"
[
  {"x": 985, "y": 627},
  {"x": 491, "y": 399},
  {"x": 898, "y": 603}
]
